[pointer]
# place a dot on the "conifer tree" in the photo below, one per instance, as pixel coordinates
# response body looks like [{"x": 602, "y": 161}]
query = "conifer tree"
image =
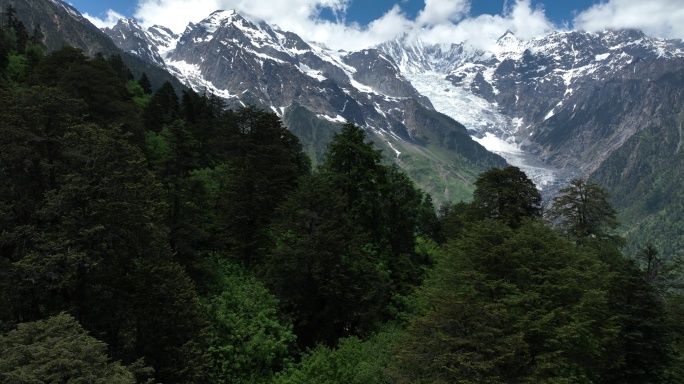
[
  {"x": 507, "y": 195},
  {"x": 38, "y": 37},
  {"x": 144, "y": 82},
  {"x": 582, "y": 212},
  {"x": 57, "y": 350},
  {"x": 163, "y": 109}
]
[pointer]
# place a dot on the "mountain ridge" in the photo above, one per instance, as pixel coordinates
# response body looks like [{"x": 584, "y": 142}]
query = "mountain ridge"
[
  {"x": 529, "y": 83},
  {"x": 246, "y": 62}
]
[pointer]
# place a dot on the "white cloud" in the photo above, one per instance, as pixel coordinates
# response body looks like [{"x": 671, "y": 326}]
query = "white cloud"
[
  {"x": 663, "y": 18},
  {"x": 351, "y": 37},
  {"x": 442, "y": 11},
  {"x": 440, "y": 21},
  {"x": 176, "y": 14},
  {"x": 483, "y": 31},
  {"x": 109, "y": 20}
]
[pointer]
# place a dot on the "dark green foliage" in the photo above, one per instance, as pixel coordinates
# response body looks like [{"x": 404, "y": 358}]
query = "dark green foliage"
[
  {"x": 96, "y": 83},
  {"x": 225, "y": 172},
  {"x": 18, "y": 55},
  {"x": 322, "y": 268},
  {"x": 85, "y": 234},
  {"x": 345, "y": 243},
  {"x": 204, "y": 115},
  {"x": 640, "y": 353},
  {"x": 381, "y": 199},
  {"x": 144, "y": 82},
  {"x": 163, "y": 109},
  {"x": 356, "y": 170},
  {"x": 406, "y": 215},
  {"x": 429, "y": 222},
  {"x": 506, "y": 195},
  {"x": 57, "y": 350},
  {"x": 120, "y": 69},
  {"x": 4, "y": 54},
  {"x": 522, "y": 306},
  {"x": 38, "y": 37},
  {"x": 17, "y": 28},
  {"x": 266, "y": 164},
  {"x": 32, "y": 123},
  {"x": 451, "y": 220},
  {"x": 582, "y": 212},
  {"x": 179, "y": 158},
  {"x": 674, "y": 306}
]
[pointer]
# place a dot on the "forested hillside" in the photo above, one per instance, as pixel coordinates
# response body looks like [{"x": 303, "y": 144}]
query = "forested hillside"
[
  {"x": 643, "y": 177},
  {"x": 60, "y": 25},
  {"x": 150, "y": 238}
]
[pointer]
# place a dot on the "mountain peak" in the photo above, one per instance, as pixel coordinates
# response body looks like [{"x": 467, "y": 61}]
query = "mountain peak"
[
  {"x": 219, "y": 18},
  {"x": 129, "y": 22},
  {"x": 507, "y": 36},
  {"x": 509, "y": 44},
  {"x": 222, "y": 14}
]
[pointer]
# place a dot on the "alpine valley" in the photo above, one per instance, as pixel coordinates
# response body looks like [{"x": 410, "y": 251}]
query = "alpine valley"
[
  {"x": 607, "y": 105},
  {"x": 234, "y": 204}
]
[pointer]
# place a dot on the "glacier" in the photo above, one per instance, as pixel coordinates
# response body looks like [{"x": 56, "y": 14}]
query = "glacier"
[{"x": 489, "y": 127}]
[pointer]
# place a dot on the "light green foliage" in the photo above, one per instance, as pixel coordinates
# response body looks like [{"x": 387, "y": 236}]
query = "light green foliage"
[
  {"x": 353, "y": 361},
  {"x": 34, "y": 55},
  {"x": 57, "y": 350},
  {"x": 157, "y": 148},
  {"x": 17, "y": 68},
  {"x": 249, "y": 343},
  {"x": 140, "y": 98}
]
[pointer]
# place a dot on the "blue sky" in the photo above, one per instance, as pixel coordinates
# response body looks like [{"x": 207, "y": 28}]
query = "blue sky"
[
  {"x": 364, "y": 11},
  {"x": 354, "y": 24}
]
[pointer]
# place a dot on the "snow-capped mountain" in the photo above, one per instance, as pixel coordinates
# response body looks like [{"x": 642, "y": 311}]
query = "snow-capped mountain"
[
  {"x": 557, "y": 106},
  {"x": 230, "y": 56},
  {"x": 571, "y": 98},
  {"x": 149, "y": 44},
  {"x": 246, "y": 62}
]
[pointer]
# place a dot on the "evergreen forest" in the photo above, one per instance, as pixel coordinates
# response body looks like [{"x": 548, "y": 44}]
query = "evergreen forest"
[{"x": 151, "y": 236}]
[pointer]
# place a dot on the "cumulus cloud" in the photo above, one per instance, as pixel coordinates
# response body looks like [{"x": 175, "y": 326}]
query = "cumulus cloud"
[
  {"x": 440, "y": 21},
  {"x": 442, "y": 11},
  {"x": 482, "y": 31},
  {"x": 663, "y": 18},
  {"x": 109, "y": 20}
]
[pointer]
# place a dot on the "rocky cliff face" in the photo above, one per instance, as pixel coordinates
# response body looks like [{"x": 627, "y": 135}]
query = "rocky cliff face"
[{"x": 149, "y": 44}]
